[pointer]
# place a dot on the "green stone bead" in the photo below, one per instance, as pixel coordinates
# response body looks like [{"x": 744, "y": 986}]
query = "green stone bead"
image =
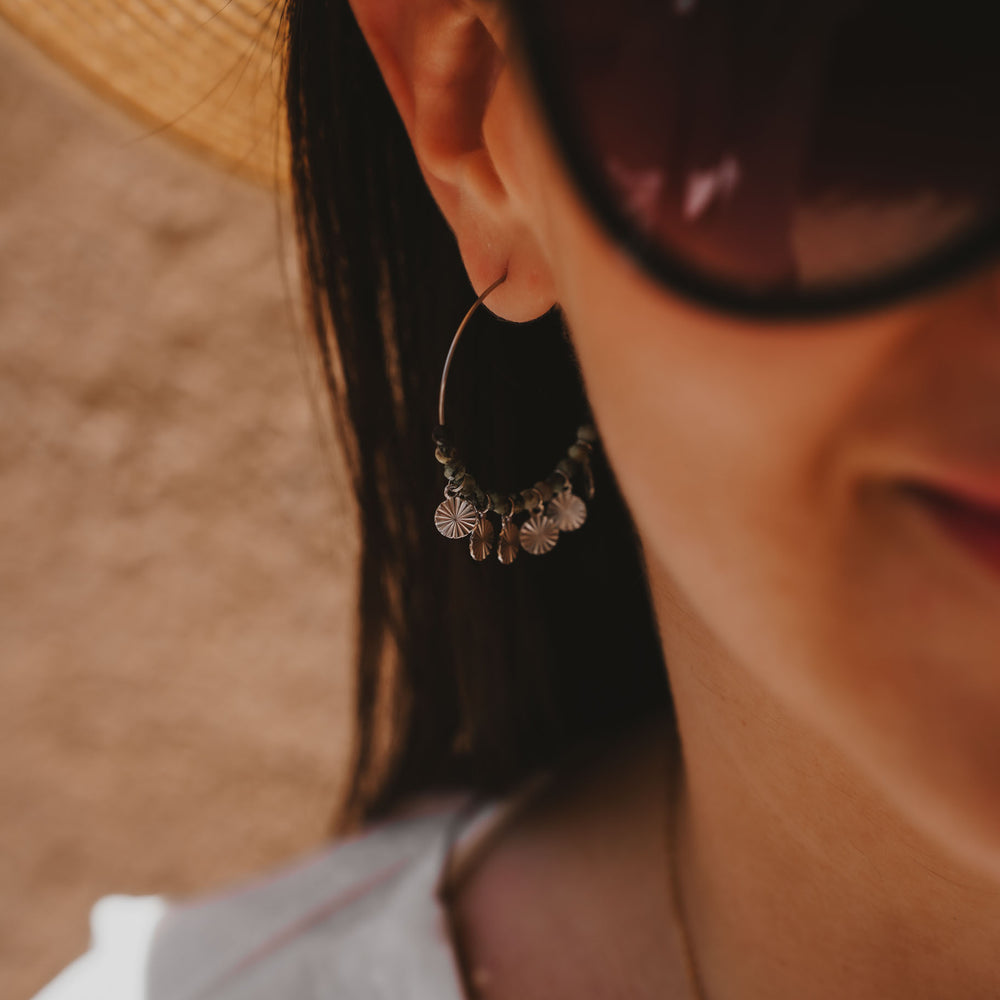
[
  {"x": 481, "y": 497},
  {"x": 545, "y": 491},
  {"x": 587, "y": 433},
  {"x": 454, "y": 470},
  {"x": 495, "y": 500},
  {"x": 519, "y": 506}
]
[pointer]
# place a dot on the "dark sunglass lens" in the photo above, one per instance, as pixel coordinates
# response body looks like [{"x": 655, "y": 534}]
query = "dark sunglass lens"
[{"x": 799, "y": 145}]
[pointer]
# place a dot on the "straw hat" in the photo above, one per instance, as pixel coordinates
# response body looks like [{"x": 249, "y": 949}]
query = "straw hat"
[{"x": 204, "y": 71}]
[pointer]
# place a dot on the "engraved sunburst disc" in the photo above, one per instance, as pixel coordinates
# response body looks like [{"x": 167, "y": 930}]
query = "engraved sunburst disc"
[
  {"x": 509, "y": 543},
  {"x": 481, "y": 539},
  {"x": 455, "y": 517},
  {"x": 567, "y": 510},
  {"x": 539, "y": 535}
]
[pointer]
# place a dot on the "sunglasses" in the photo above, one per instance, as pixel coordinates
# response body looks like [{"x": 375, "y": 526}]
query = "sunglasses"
[{"x": 778, "y": 158}]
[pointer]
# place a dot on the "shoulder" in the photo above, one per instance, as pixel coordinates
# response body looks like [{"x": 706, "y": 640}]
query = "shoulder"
[{"x": 359, "y": 919}]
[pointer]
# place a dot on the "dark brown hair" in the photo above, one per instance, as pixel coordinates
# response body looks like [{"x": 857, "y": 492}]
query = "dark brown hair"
[{"x": 468, "y": 674}]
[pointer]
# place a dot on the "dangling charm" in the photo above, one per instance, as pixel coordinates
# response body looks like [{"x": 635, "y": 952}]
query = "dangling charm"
[
  {"x": 481, "y": 539},
  {"x": 510, "y": 541},
  {"x": 455, "y": 517},
  {"x": 539, "y": 534},
  {"x": 567, "y": 511}
]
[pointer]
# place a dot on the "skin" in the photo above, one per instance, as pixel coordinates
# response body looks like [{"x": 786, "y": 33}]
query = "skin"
[{"x": 835, "y": 661}]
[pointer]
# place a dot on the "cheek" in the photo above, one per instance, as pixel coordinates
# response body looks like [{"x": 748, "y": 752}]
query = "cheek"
[
  {"x": 727, "y": 439},
  {"x": 735, "y": 449}
]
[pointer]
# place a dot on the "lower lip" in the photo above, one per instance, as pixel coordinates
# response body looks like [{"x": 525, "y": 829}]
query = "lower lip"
[{"x": 977, "y": 529}]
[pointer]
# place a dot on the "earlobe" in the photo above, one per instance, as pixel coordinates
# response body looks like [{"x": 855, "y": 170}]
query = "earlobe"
[{"x": 441, "y": 61}]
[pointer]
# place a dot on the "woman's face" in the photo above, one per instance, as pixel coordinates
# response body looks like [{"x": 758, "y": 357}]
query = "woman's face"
[{"x": 762, "y": 464}]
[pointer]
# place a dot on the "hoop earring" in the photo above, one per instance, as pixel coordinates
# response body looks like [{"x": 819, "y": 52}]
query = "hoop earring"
[{"x": 551, "y": 504}]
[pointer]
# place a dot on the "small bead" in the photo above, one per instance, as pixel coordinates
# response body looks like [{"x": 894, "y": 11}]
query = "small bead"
[
  {"x": 519, "y": 506},
  {"x": 440, "y": 435},
  {"x": 566, "y": 465},
  {"x": 504, "y": 506},
  {"x": 545, "y": 490},
  {"x": 556, "y": 481},
  {"x": 587, "y": 433},
  {"x": 495, "y": 501},
  {"x": 454, "y": 470},
  {"x": 482, "y": 500},
  {"x": 444, "y": 456},
  {"x": 577, "y": 453}
]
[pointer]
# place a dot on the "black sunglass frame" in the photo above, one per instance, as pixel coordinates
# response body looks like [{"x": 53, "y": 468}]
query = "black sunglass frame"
[{"x": 975, "y": 249}]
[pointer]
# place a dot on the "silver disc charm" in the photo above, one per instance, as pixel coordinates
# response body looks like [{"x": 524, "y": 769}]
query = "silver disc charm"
[
  {"x": 481, "y": 539},
  {"x": 509, "y": 542},
  {"x": 455, "y": 517},
  {"x": 539, "y": 534},
  {"x": 567, "y": 510}
]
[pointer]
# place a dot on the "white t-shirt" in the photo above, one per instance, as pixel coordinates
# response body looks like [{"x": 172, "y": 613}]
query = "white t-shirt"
[{"x": 360, "y": 920}]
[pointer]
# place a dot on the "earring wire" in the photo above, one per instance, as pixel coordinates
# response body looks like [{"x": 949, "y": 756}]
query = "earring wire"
[{"x": 454, "y": 343}]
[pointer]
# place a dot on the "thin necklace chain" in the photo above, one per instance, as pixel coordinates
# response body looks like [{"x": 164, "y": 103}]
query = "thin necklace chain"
[{"x": 691, "y": 965}]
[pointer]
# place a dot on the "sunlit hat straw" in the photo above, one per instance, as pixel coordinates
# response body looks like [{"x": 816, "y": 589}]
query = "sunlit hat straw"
[{"x": 206, "y": 72}]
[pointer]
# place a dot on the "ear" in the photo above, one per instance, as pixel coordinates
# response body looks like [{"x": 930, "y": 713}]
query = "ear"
[{"x": 442, "y": 61}]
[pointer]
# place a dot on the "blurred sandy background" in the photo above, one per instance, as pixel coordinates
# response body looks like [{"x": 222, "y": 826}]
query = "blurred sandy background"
[{"x": 176, "y": 547}]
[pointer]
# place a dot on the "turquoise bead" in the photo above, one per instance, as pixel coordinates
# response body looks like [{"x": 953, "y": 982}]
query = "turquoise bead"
[{"x": 545, "y": 490}]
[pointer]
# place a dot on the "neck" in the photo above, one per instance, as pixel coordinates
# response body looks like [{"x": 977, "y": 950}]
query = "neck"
[{"x": 797, "y": 878}]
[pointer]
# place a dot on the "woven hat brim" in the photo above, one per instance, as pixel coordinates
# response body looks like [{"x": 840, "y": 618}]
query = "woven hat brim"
[{"x": 205, "y": 72}]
